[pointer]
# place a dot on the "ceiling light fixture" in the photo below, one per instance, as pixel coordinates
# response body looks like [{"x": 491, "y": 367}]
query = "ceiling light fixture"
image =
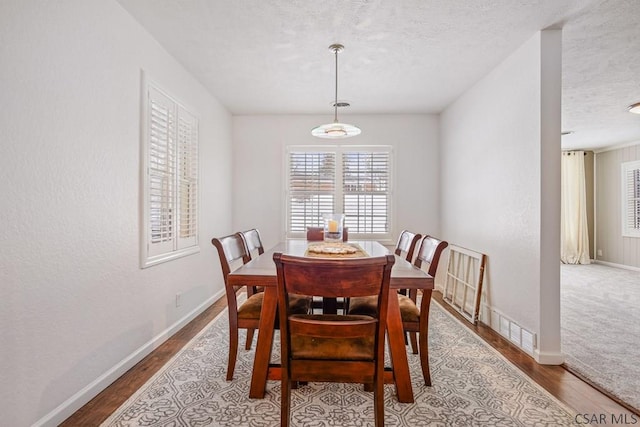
[
  {"x": 634, "y": 108},
  {"x": 336, "y": 129}
]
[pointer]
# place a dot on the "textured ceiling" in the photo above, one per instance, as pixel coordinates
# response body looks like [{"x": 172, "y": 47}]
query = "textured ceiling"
[{"x": 402, "y": 56}]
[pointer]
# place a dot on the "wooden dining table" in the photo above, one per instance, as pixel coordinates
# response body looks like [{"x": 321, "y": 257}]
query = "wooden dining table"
[{"x": 261, "y": 271}]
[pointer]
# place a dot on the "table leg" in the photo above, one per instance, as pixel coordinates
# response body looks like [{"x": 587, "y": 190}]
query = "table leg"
[
  {"x": 397, "y": 350},
  {"x": 265, "y": 343}
]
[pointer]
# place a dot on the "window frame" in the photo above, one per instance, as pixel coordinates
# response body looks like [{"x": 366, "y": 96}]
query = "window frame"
[
  {"x": 181, "y": 236},
  {"x": 630, "y": 221},
  {"x": 339, "y": 191}
]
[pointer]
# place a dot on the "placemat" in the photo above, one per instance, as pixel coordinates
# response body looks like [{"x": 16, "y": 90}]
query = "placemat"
[{"x": 335, "y": 250}]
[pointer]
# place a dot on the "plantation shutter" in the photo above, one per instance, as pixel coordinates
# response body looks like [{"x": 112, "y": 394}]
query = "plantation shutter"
[
  {"x": 311, "y": 188},
  {"x": 161, "y": 173},
  {"x": 631, "y": 199},
  {"x": 366, "y": 191},
  {"x": 187, "y": 178},
  {"x": 170, "y": 185}
]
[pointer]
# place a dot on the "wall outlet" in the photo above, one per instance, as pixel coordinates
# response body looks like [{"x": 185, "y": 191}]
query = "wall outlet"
[
  {"x": 178, "y": 299},
  {"x": 599, "y": 252}
]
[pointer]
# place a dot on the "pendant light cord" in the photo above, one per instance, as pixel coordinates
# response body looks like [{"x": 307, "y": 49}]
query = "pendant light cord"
[{"x": 335, "y": 105}]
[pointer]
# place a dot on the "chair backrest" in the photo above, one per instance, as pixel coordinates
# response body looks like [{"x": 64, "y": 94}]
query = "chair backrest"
[
  {"x": 429, "y": 252},
  {"x": 407, "y": 244},
  {"x": 230, "y": 249},
  {"x": 332, "y": 278},
  {"x": 252, "y": 241},
  {"x": 317, "y": 233}
]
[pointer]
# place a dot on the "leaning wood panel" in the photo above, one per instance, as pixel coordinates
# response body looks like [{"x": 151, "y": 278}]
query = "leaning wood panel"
[{"x": 463, "y": 285}]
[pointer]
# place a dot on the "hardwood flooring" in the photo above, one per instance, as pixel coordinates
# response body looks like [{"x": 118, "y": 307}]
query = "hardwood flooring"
[{"x": 565, "y": 386}]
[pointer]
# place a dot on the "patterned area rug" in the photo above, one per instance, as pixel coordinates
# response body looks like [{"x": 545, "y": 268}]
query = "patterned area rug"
[
  {"x": 473, "y": 385},
  {"x": 601, "y": 327}
]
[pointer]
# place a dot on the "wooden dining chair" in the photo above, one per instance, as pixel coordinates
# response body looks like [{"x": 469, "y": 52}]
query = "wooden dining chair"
[
  {"x": 406, "y": 244},
  {"x": 254, "y": 247},
  {"x": 414, "y": 320},
  {"x": 231, "y": 251},
  {"x": 317, "y": 233},
  {"x": 333, "y": 348}
]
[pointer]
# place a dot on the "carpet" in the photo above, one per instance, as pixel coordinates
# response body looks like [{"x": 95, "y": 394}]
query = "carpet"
[
  {"x": 473, "y": 385},
  {"x": 601, "y": 328}
]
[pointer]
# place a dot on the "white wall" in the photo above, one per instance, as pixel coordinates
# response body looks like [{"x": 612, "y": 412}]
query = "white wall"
[
  {"x": 616, "y": 249},
  {"x": 500, "y": 154},
  {"x": 259, "y": 144},
  {"x": 75, "y": 305}
]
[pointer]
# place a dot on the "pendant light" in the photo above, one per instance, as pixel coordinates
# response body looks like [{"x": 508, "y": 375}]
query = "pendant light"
[{"x": 336, "y": 129}]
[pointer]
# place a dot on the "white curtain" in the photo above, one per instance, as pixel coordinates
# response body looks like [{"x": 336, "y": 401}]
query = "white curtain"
[{"x": 574, "y": 229}]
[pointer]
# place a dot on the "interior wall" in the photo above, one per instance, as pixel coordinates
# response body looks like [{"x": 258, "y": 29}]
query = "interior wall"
[
  {"x": 501, "y": 185},
  {"x": 76, "y": 309},
  {"x": 612, "y": 247},
  {"x": 259, "y": 148}
]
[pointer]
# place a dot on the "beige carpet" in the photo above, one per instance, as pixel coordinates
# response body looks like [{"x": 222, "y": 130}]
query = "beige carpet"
[
  {"x": 473, "y": 385},
  {"x": 601, "y": 327}
]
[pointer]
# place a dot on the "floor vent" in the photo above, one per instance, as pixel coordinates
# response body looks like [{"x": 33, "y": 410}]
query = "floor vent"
[{"x": 516, "y": 334}]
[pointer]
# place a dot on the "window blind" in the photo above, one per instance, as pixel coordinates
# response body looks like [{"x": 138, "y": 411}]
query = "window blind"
[
  {"x": 365, "y": 178},
  {"x": 354, "y": 180},
  {"x": 631, "y": 199},
  {"x": 170, "y": 185},
  {"x": 312, "y": 184}
]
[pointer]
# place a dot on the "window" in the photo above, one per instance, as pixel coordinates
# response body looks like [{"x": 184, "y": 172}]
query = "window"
[
  {"x": 631, "y": 199},
  {"x": 170, "y": 179},
  {"x": 354, "y": 180}
]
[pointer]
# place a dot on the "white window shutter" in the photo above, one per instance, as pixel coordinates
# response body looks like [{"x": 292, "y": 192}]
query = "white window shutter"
[
  {"x": 187, "y": 143},
  {"x": 631, "y": 199},
  {"x": 311, "y": 188},
  {"x": 366, "y": 191},
  {"x": 354, "y": 180},
  {"x": 160, "y": 173},
  {"x": 170, "y": 179}
]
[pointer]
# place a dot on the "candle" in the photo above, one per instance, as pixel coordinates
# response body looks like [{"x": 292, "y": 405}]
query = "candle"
[{"x": 333, "y": 226}]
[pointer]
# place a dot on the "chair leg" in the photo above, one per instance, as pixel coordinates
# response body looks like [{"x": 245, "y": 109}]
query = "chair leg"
[
  {"x": 247, "y": 345},
  {"x": 285, "y": 403},
  {"x": 414, "y": 342},
  {"x": 233, "y": 351},
  {"x": 424, "y": 358},
  {"x": 378, "y": 402}
]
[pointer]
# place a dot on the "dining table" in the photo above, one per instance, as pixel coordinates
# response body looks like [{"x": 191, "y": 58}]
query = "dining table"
[{"x": 261, "y": 271}]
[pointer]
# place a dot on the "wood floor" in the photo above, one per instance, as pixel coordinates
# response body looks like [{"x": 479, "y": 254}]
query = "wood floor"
[{"x": 565, "y": 386}]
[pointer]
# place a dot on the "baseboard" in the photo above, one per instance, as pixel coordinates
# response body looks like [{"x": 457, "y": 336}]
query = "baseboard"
[
  {"x": 613, "y": 264},
  {"x": 78, "y": 400}
]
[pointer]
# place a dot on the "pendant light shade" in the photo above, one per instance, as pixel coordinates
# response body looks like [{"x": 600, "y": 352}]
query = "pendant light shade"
[{"x": 336, "y": 129}]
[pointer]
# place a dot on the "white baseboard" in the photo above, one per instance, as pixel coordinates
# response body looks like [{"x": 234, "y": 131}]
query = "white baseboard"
[
  {"x": 78, "y": 400},
  {"x": 612, "y": 264}
]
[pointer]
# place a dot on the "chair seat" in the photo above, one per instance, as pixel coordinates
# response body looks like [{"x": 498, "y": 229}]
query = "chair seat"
[
  {"x": 334, "y": 348},
  {"x": 250, "y": 309},
  {"x": 368, "y": 306}
]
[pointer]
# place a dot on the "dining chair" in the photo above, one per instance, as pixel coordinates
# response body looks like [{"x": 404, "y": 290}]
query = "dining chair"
[
  {"x": 406, "y": 244},
  {"x": 254, "y": 247},
  {"x": 231, "y": 251},
  {"x": 414, "y": 320},
  {"x": 317, "y": 233},
  {"x": 330, "y": 347}
]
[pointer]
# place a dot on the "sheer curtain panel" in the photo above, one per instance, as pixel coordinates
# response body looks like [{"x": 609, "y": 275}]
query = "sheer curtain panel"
[{"x": 574, "y": 229}]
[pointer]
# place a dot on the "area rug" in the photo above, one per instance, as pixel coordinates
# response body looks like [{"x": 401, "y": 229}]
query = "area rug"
[
  {"x": 601, "y": 328},
  {"x": 473, "y": 385}
]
